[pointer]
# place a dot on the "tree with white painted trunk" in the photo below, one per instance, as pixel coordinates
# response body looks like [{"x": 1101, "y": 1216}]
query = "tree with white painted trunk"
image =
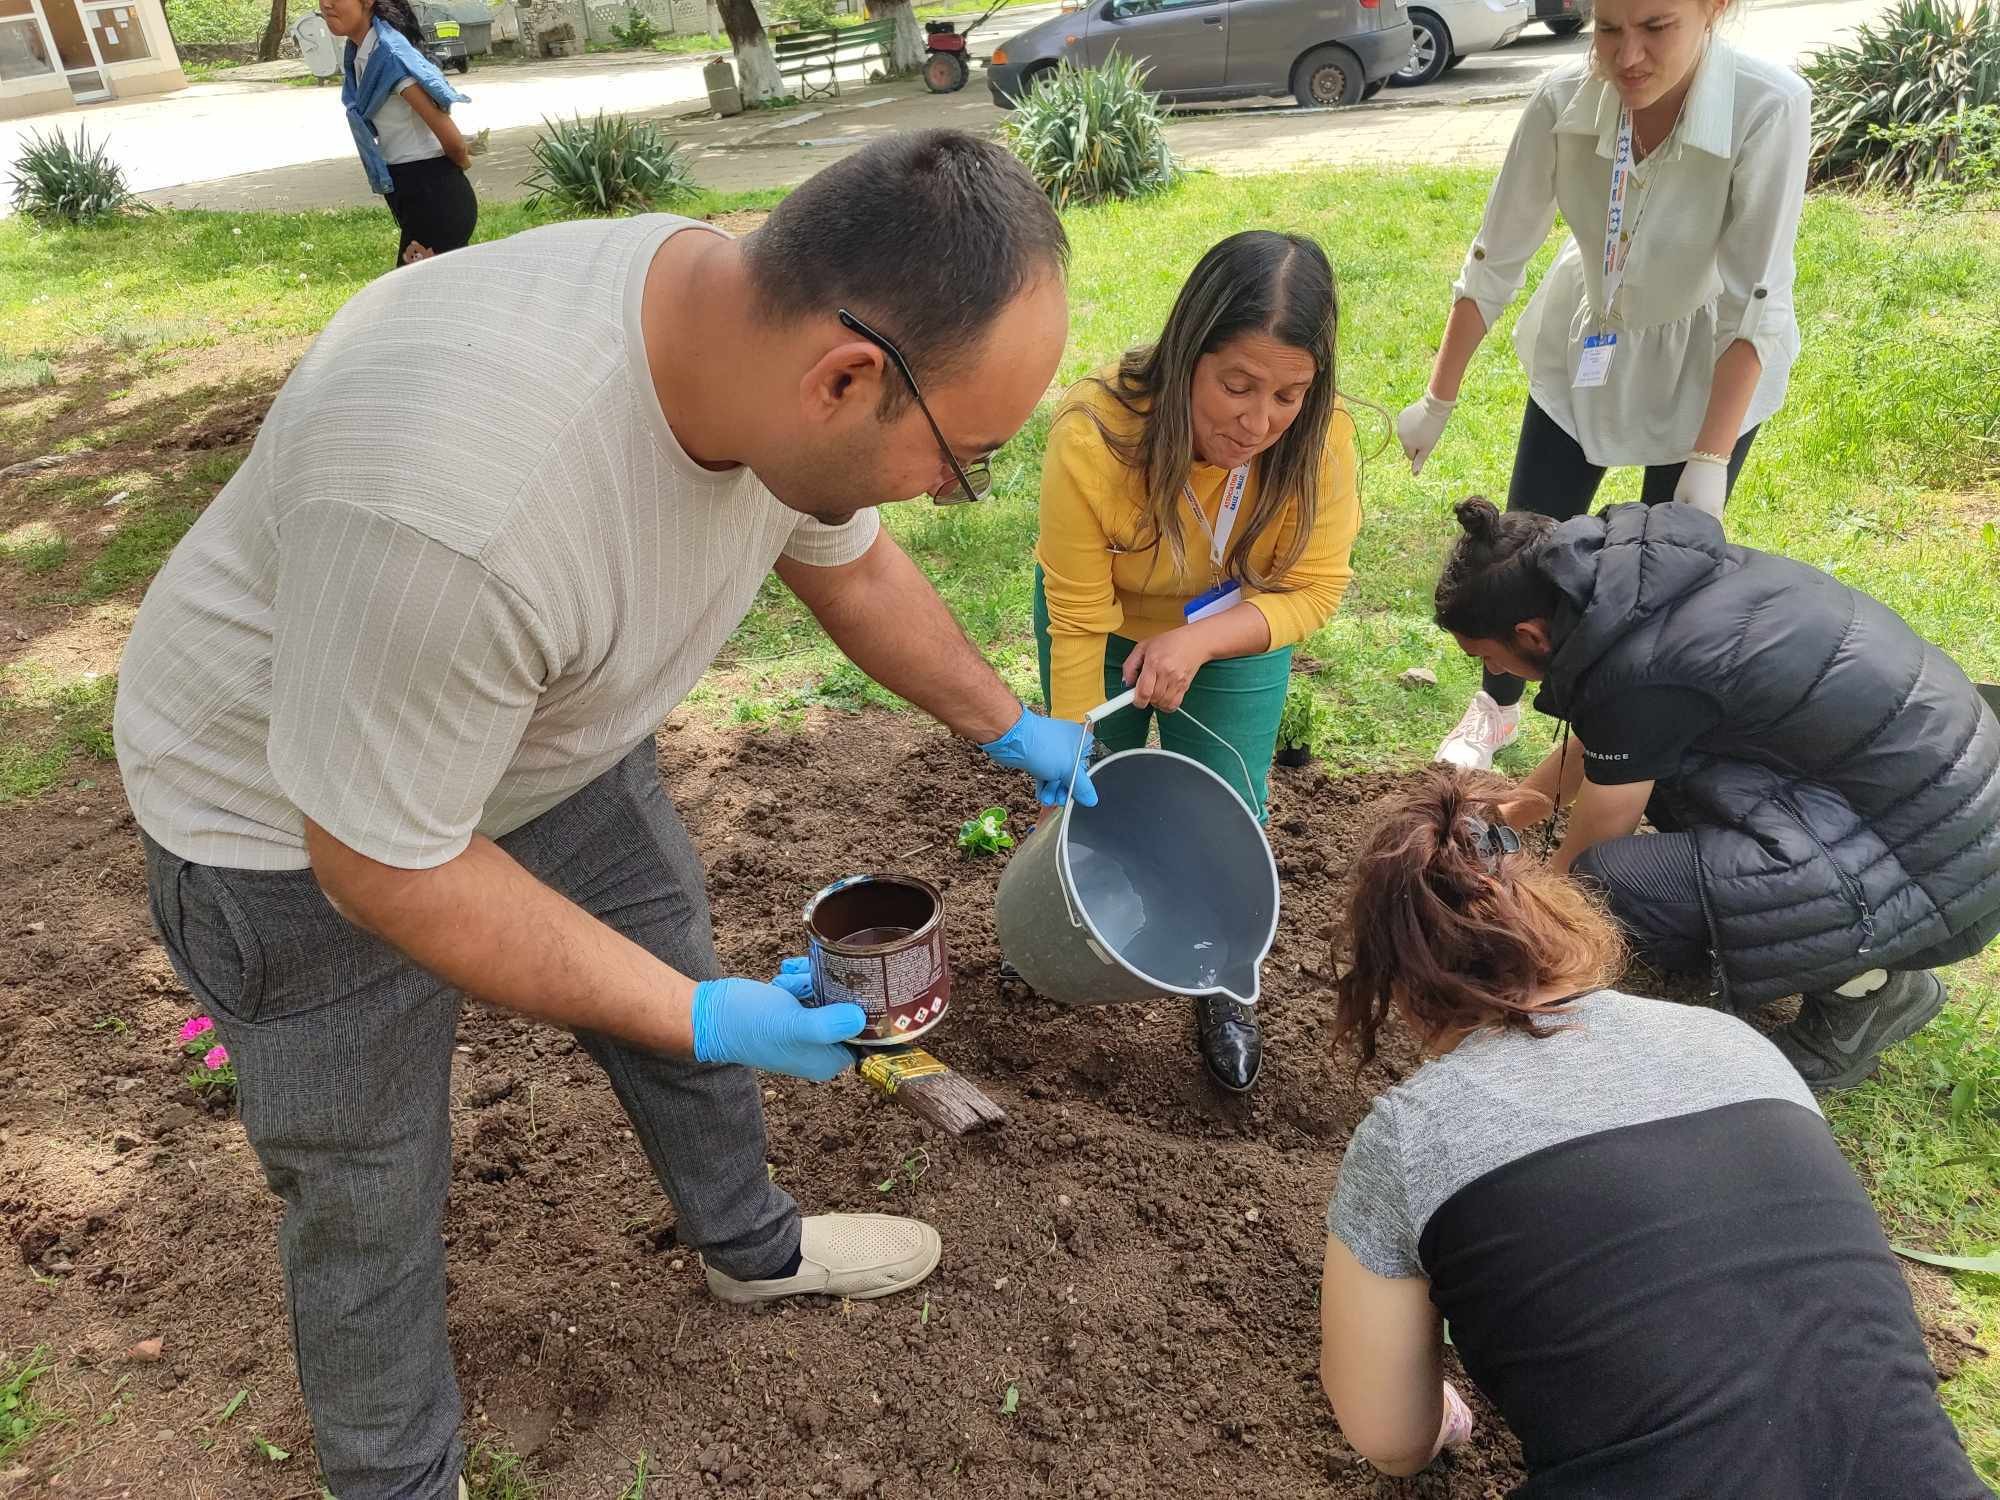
[
  {"x": 906, "y": 48},
  {"x": 756, "y": 64}
]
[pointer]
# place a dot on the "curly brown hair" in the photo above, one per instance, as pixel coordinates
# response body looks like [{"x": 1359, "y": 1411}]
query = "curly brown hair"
[{"x": 1451, "y": 924}]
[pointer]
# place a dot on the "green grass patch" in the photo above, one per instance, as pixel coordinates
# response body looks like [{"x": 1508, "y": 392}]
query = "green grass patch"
[
  {"x": 136, "y": 552},
  {"x": 25, "y": 373},
  {"x": 45, "y": 720},
  {"x": 35, "y": 546},
  {"x": 186, "y": 279},
  {"x": 22, "y": 1415}
]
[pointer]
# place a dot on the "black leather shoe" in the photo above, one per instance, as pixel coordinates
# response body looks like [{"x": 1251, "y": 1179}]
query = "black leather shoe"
[{"x": 1231, "y": 1043}]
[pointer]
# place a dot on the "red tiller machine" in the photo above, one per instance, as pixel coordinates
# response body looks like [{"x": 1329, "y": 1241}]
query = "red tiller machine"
[{"x": 947, "y": 67}]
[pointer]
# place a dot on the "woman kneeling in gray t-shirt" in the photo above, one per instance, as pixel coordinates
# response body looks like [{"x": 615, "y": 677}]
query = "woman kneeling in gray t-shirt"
[{"x": 1654, "y": 1260}]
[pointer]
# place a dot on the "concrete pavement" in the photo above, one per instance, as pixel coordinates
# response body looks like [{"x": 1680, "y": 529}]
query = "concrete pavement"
[{"x": 227, "y": 129}]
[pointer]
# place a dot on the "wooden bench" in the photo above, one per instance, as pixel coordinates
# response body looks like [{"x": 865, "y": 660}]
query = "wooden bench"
[{"x": 805, "y": 53}]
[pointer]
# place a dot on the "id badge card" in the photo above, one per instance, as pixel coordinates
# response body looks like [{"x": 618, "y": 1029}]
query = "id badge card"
[
  {"x": 1214, "y": 602},
  {"x": 1594, "y": 368}
]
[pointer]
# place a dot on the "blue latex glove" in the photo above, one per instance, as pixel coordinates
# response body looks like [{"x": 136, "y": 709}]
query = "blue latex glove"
[
  {"x": 795, "y": 978},
  {"x": 1046, "y": 748},
  {"x": 763, "y": 1026}
]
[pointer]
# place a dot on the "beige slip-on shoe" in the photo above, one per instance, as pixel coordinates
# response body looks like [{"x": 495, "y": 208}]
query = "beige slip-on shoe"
[{"x": 860, "y": 1256}]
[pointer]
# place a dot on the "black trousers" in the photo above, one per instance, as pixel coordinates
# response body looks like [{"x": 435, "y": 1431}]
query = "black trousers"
[
  {"x": 434, "y": 205},
  {"x": 1553, "y": 478}
]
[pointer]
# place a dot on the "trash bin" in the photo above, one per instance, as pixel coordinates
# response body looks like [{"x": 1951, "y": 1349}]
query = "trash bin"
[
  {"x": 455, "y": 34},
  {"x": 320, "y": 49},
  {"x": 724, "y": 97}
]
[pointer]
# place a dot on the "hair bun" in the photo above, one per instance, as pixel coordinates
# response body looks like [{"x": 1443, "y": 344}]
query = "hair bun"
[{"x": 1479, "y": 517}]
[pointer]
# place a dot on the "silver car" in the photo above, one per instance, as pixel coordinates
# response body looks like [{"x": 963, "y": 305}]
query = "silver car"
[{"x": 1322, "y": 52}]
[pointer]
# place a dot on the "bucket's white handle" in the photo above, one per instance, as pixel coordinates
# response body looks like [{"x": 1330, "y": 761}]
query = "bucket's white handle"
[{"x": 1111, "y": 706}]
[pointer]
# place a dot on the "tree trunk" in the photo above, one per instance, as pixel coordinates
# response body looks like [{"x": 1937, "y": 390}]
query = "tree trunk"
[
  {"x": 274, "y": 33},
  {"x": 756, "y": 65},
  {"x": 906, "y": 49}
]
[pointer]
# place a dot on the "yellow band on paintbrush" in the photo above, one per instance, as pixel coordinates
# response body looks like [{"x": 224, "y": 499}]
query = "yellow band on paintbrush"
[{"x": 888, "y": 1071}]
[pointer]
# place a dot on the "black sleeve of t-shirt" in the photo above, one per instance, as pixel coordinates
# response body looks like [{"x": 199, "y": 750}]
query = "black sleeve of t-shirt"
[{"x": 1642, "y": 735}]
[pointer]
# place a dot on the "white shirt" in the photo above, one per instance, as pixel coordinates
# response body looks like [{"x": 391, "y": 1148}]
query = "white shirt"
[
  {"x": 464, "y": 570},
  {"x": 399, "y": 129},
  {"x": 1710, "y": 262}
]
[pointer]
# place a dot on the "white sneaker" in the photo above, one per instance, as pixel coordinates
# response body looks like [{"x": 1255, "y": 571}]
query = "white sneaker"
[
  {"x": 1486, "y": 729},
  {"x": 860, "y": 1256}
]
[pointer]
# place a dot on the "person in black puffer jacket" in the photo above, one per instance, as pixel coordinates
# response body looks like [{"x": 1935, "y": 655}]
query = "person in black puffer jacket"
[{"x": 1825, "y": 783}]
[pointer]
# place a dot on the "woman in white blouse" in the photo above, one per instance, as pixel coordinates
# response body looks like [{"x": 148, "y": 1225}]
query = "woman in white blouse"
[{"x": 1663, "y": 335}]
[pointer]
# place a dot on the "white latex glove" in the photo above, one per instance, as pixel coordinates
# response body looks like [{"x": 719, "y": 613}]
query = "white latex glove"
[
  {"x": 1420, "y": 425},
  {"x": 1704, "y": 484}
]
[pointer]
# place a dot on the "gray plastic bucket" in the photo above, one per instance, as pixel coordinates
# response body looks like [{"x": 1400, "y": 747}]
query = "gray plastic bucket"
[{"x": 1166, "y": 887}]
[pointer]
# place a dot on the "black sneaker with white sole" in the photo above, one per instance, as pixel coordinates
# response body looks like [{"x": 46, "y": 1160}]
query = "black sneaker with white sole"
[{"x": 1837, "y": 1039}]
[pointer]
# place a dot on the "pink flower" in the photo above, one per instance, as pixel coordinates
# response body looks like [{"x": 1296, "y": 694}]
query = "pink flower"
[
  {"x": 215, "y": 1058},
  {"x": 195, "y": 1026}
]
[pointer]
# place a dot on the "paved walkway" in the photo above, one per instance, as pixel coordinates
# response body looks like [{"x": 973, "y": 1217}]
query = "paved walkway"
[{"x": 226, "y": 128}]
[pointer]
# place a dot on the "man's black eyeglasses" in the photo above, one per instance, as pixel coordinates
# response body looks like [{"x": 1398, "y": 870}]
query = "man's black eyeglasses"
[{"x": 969, "y": 482}]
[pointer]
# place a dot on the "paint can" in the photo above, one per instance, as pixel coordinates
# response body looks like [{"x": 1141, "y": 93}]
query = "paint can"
[{"x": 877, "y": 941}]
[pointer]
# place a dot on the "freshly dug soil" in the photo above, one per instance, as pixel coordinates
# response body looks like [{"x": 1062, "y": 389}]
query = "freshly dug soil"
[{"x": 1135, "y": 1256}]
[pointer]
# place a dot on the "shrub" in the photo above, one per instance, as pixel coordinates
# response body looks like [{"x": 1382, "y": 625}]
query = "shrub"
[
  {"x": 811, "y": 15},
  {"x": 1947, "y": 158},
  {"x": 1919, "y": 65},
  {"x": 609, "y": 165},
  {"x": 57, "y": 182},
  {"x": 638, "y": 30},
  {"x": 1091, "y": 134}
]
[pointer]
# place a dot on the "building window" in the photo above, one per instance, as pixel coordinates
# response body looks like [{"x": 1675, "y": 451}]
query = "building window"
[
  {"x": 24, "y": 52},
  {"x": 119, "y": 36}
]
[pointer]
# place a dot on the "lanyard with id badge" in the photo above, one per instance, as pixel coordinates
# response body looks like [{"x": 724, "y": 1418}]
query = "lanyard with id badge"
[
  {"x": 1228, "y": 593},
  {"x": 1593, "y": 366}
]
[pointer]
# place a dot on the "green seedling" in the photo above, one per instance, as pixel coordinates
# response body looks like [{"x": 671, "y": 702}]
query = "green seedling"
[
  {"x": 271, "y": 1451},
  {"x": 636, "y": 1490},
  {"x": 987, "y": 833},
  {"x": 21, "y": 1415},
  {"x": 910, "y": 1168},
  {"x": 1011, "y": 1402},
  {"x": 235, "y": 1405}
]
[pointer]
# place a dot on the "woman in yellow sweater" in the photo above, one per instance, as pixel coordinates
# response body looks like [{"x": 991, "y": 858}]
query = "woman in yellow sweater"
[{"x": 1198, "y": 508}]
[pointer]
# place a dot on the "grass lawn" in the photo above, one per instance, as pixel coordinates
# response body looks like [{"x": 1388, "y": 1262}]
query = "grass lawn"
[{"x": 1884, "y": 468}]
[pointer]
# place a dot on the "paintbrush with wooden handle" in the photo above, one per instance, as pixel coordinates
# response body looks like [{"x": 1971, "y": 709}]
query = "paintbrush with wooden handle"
[{"x": 927, "y": 1088}]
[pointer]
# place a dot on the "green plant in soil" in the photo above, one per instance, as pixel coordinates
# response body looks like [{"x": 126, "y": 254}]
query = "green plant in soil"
[
  {"x": 57, "y": 181},
  {"x": 986, "y": 834},
  {"x": 608, "y": 165},
  {"x": 909, "y": 1171},
  {"x": 1092, "y": 134},
  {"x": 1306, "y": 723},
  {"x": 495, "y": 1474},
  {"x": 22, "y": 1416}
]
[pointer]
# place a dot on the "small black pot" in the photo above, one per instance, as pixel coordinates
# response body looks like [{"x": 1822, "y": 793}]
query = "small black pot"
[{"x": 1294, "y": 755}]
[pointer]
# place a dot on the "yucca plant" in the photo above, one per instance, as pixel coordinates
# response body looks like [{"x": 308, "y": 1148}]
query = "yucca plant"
[
  {"x": 1918, "y": 64},
  {"x": 1093, "y": 133},
  {"x": 606, "y": 166},
  {"x": 61, "y": 182}
]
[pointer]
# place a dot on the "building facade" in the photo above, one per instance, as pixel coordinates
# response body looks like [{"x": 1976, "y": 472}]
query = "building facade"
[{"x": 59, "y": 53}]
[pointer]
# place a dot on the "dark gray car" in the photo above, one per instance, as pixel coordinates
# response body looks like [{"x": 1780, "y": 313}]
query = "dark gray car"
[{"x": 1322, "y": 52}]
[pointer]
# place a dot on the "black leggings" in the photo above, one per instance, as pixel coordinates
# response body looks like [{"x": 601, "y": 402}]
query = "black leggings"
[
  {"x": 1553, "y": 478},
  {"x": 434, "y": 205}
]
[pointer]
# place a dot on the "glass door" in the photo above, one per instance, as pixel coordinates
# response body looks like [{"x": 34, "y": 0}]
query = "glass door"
[{"x": 77, "y": 50}]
